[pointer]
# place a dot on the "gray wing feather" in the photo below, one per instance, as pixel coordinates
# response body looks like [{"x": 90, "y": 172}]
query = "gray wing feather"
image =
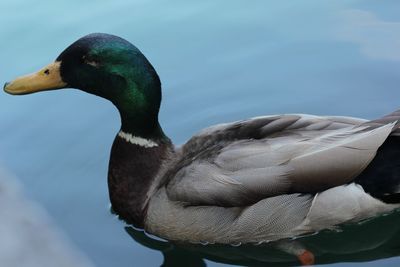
[
  {"x": 244, "y": 162},
  {"x": 337, "y": 159}
]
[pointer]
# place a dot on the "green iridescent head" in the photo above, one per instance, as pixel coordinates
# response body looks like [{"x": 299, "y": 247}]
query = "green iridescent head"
[{"x": 107, "y": 66}]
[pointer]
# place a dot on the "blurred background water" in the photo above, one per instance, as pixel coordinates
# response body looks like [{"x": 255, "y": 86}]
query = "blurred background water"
[{"x": 218, "y": 61}]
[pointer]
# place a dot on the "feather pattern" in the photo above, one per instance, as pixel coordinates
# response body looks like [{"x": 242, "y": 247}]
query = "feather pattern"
[
  {"x": 231, "y": 182},
  {"x": 281, "y": 161}
]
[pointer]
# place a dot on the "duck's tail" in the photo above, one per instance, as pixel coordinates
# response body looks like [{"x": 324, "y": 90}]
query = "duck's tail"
[
  {"x": 381, "y": 179},
  {"x": 389, "y": 118}
]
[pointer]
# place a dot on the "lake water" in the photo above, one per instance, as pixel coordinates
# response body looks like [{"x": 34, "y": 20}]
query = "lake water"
[{"x": 218, "y": 61}]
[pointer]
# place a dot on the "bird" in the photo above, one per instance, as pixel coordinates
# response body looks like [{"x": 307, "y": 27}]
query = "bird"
[{"x": 250, "y": 181}]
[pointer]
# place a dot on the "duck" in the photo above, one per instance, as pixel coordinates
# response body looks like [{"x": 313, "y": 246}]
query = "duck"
[{"x": 251, "y": 181}]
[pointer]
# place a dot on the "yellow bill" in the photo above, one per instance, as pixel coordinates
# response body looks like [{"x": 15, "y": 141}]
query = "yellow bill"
[{"x": 47, "y": 78}]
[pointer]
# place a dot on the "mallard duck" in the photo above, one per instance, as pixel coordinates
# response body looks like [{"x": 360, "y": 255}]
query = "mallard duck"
[{"x": 250, "y": 181}]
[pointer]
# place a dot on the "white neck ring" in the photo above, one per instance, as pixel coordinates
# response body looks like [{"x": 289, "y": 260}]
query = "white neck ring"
[{"x": 136, "y": 140}]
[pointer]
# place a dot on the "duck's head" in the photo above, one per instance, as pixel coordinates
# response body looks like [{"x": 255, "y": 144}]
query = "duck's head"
[{"x": 107, "y": 66}]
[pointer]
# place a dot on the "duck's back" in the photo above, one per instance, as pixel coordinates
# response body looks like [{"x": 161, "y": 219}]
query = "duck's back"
[{"x": 261, "y": 179}]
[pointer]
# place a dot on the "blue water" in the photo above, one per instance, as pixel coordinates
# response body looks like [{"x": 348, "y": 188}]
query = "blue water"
[{"x": 218, "y": 61}]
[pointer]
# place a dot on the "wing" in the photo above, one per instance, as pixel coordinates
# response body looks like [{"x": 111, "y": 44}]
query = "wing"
[{"x": 241, "y": 163}]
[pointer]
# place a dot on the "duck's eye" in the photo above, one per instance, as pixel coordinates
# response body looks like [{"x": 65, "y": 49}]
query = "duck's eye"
[
  {"x": 90, "y": 62},
  {"x": 47, "y": 71}
]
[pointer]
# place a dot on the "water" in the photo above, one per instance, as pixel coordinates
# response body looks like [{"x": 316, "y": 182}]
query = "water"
[{"x": 218, "y": 60}]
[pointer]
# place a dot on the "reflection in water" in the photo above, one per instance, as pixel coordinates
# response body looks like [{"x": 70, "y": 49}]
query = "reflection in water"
[{"x": 369, "y": 240}]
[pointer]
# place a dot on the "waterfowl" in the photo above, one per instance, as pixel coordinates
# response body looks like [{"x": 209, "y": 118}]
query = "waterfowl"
[{"x": 250, "y": 181}]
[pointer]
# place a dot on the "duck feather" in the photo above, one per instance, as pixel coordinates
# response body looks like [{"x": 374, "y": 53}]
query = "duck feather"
[
  {"x": 231, "y": 182},
  {"x": 269, "y": 156}
]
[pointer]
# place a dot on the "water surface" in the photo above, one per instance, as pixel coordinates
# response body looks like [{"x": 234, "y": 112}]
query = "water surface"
[{"x": 218, "y": 61}]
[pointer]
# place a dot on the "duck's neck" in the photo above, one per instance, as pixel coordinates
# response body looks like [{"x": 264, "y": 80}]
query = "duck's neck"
[
  {"x": 141, "y": 147},
  {"x": 134, "y": 165}
]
